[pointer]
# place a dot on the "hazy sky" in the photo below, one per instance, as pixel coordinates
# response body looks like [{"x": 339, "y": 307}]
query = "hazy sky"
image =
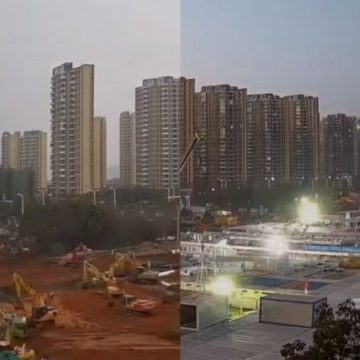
[
  {"x": 127, "y": 40},
  {"x": 279, "y": 46}
]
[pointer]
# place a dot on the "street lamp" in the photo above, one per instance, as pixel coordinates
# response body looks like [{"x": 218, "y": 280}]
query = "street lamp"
[
  {"x": 42, "y": 191},
  {"x": 326, "y": 181},
  {"x": 269, "y": 180},
  {"x": 21, "y": 196},
  {"x": 94, "y": 193},
  {"x": 114, "y": 196}
]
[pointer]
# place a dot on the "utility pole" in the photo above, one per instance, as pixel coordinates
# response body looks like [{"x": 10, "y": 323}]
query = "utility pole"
[
  {"x": 114, "y": 196},
  {"x": 42, "y": 197},
  {"x": 94, "y": 194},
  {"x": 21, "y": 196}
]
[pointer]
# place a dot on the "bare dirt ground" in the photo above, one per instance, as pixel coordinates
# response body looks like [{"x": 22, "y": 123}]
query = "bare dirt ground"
[{"x": 87, "y": 328}]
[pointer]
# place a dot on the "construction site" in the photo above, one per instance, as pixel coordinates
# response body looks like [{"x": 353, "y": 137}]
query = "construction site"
[{"x": 91, "y": 305}]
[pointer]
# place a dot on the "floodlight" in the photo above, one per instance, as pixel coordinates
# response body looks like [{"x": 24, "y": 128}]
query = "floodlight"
[
  {"x": 222, "y": 286},
  {"x": 276, "y": 244},
  {"x": 308, "y": 212}
]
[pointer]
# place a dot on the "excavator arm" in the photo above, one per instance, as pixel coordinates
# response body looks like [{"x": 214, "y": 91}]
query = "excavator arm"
[
  {"x": 41, "y": 311},
  {"x": 124, "y": 263},
  {"x": 93, "y": 270},
  {"x": 22, "y": 288}
]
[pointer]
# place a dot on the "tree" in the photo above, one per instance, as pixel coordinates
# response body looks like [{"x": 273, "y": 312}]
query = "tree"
[
  {"x": 336, "y": 336},
  {"x": 70, "y": 223}
]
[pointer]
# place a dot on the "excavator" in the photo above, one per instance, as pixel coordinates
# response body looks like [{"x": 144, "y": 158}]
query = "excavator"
[
  {"x": 12, "y": 327},
  {"x": 136, "y": 273},
  {"x": 106, "y": 279},
  {"x": 100, "y": 280},
  {"x": 123, "y": 265},
  {"x": 41, "y": 312}
]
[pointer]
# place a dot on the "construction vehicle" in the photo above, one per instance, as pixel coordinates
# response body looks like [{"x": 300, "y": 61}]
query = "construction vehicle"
[
  {"x": 12, "y": 327},
  {"x": 24, "y": 354},
  {"x": 171, "y": 291},
  {"x": 142, "y": 306},
  {"x": 123, "y": 266},
  {"x": 77, "y": 256},
  {"x": 100, "y": 280},
  {"x": 41, "y": 310}
]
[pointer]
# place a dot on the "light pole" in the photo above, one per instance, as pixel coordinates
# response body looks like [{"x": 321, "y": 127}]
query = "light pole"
[
  {"x": 114, "y": 196},
  {"x": 172, "y": 196},
  {"x": 43, "y": 197},
  {"x": 94, "y": 193},
  {"x": 326, "y": 182},
  {"x": 269, "y": 180},
  {"x": 21, "y": 196}
]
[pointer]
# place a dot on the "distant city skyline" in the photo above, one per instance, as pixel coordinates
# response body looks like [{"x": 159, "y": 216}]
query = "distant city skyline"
[
  {"x": 278, "y": 47},
  {"x": 130, "y": 41},
  {"x": 281, "y": 47}
]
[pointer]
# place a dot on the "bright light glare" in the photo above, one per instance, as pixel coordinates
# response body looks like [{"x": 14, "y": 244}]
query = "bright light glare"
[
  {"x": 222, "y": 286},
  {"x": 304, "y": 200},
  {"x": 276, "y": 244},
  {"x": 308, "y": 212}
]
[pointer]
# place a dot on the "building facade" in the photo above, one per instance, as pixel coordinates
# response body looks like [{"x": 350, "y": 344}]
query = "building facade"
[
  {"x": 74, "y": 167},
  {"x": 266, "y": 141},
  {"x": 27, "y": 151},
  {"x": 339, "y": 145},
  {"x": 221, "y": 119},
  {"x": 157, "y": 113},
  {"x": 301, "y": 116},
  {"x": 10, "y": 149},
  {"x": 33, "y": 156},
  {"x": 127, "y": 149}
]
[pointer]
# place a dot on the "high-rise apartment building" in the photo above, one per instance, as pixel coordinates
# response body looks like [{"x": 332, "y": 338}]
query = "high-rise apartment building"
[
  {"x": 339, "y": 145},
  {"x": 74, "y": 166},
  {"x": 301, "y": 116},
  {"x": 127, "y": 149},
  {"x": 33, "y": 155},
  {"x": 157, "y": 113},
  {"x": 27, "y": 152},
  {"x": 266, "y": 141},
  {"x": 10, "y": 149},
  {"x": 220, "y": 158}
]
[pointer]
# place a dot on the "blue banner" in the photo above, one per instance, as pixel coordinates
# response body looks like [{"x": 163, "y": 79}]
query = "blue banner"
[{"x": 333, "y": 248}]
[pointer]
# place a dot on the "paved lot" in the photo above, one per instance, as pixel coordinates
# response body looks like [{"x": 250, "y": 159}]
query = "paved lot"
[{"x": 247, "y": 339}]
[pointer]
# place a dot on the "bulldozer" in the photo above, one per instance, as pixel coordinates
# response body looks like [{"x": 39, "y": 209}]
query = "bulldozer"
[{"x": 41, "y": 309}]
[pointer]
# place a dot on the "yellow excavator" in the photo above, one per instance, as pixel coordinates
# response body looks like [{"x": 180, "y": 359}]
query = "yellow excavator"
[
  {"x": 100, "y": 280},
  {"x": 42, "y": 310},
  {"x": 123, "y": 265}
]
